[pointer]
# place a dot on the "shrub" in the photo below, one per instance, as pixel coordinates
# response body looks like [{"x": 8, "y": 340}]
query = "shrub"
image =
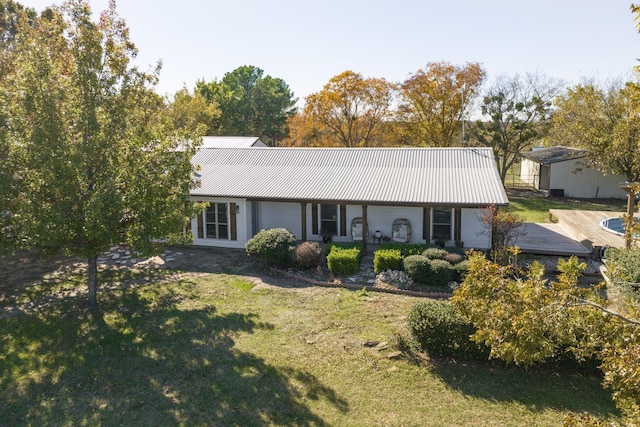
[
  {"x": 453, "y": 258},
  {"x": 273, "y": 246},
  {"x": 441, "y": 272},
  {"x": 328, "y": 247},
  {"x": 307, "y": 254},
  {"x": 460, "y": 270},
  {"x": 627, "y": 263},
  {"x": 387, "y": 259},
  {"x": 435, "y": 253},
  {"x": 414, "y": 249},
  {"x": 418, "y": 268},
  {"x": 441, "y": 331},
  {"x": 343, "y": 261},
  {"x": 390, "y": 245}
]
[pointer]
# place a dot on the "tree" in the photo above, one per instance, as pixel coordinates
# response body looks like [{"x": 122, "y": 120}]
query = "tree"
[
  {"x": 516, "y": 113},
  {"x": 435, "y": 100},
  {"x": 604, "y": 121},
  {"x": 251, "y": 104},
  {"x": 99, "y": 161},
  {"x": 347, "y": 112},
  {"x": 529, "y": 320}
]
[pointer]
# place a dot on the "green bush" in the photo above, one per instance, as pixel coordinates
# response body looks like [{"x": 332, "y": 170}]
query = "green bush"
[
  {"x": 392, "y": 245},
  {"x": 460, "y": 270},
  {"x": 307, "y": 254},
  {"x": 273, "y": 246},
  {"x": 343, "y": 261},
  {"x": 441, "y": 331},
  {"x": 441, "y": 272},
  {"x": 328, "y": 247},
  {"x": 627, "y": 262},
  {"x": 387, "y": 259},
  {"x": 413, "y": 249},
  {"x": 418, "y": 268},
  {"x": 435, "y": 253}
]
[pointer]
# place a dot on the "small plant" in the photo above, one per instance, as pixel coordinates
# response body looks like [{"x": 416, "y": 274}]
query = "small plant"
[
  {"x": 273, "y": 246},
  {"x": 441, "y": 331},
  {"x": 307, "y": 254},
  {"x": 387, "y": 259},
  {"x": 344, "y": 261},
  {"x": 362, "y": 292},
  {"x": 453, "y": 258},
  {"x": 418, "y": 268},
  {"x": 435, "y": 253}
]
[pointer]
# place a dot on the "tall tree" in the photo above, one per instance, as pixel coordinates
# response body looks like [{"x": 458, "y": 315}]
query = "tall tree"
[
  {"x": 435, "y": 100},
  {"x": 100, "y": 162},
  {"x": 251, "y": 104},
  {"x": 603, "y": 121},
  {"x": 516, "y": 113},
  {"x": 349, "y": 111}
]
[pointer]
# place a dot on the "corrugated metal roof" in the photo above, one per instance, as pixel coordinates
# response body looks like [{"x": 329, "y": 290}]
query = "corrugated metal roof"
[
  {"x": 446, "y": 176},
  {"x": 554, "y": 154},
  {"x": 231, "y": 142}
]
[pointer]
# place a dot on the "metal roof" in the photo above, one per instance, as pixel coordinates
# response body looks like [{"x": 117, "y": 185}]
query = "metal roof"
[
  {"x": 438, "y": 176},
  {"x": 554, "y": 154},
  {"x": 231, "y": 142}
]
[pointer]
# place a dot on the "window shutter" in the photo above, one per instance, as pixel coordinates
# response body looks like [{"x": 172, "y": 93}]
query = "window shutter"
[
  {"x": 343, "y": 220},
  {"x": 232, "y": 221},
  {"x": 200, "y": 225},
  {"x": 314, "y": 218},
  {"x": 457, "y": 231},
  {"x": 426, "y": 224}
]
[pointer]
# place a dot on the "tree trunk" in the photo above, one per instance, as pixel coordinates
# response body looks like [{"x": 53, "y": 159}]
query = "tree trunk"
[{"x": 93, "y": 282}]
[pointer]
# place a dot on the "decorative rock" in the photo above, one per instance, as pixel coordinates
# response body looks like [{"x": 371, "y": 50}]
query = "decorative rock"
[
  {"x": 170, "y": 258},
  {"x": 395, "y": 355},
  {"x": 382, "y": 346},
  {"x": 115, "y": 256},
  {"x": 370, "y": 343}
]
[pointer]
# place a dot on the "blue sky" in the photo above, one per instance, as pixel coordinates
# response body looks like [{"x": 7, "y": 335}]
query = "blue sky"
[{"x": 307, "y": 42}]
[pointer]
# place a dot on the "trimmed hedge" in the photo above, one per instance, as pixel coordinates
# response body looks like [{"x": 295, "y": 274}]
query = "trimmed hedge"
[
  {"x": 387, "y": 259},
  {"x": 343, "y": 261},
  {"x": 441, "y": 272},
  {"x": 460, "y": 270},
  {"x": 405, "y": 248},
  {"x": 273, "y": 246},
  {"x": 435, "y": 253},
  {"x": 418, "y": 268},
  {"x": 328, "y": 247},
  {"x": 441, "y": 331}
]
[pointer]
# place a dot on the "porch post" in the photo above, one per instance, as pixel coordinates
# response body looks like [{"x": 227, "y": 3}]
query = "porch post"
[
  {"x": 365, "y": 229},
  {"x": 303, "y": 207}
]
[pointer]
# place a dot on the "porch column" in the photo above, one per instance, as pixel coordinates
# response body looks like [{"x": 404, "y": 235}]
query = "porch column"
[
  {"x": 303, "y": 206},
  {"x": 365, "y": 229}
]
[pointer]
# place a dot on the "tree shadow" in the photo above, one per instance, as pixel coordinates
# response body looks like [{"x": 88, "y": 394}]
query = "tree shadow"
[
  {"x": 540, "y": 388},
  {"x": 146, "y": 362}
]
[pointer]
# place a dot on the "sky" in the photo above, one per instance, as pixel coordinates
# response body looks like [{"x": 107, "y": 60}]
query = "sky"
[{"x": 305, "y": 43}]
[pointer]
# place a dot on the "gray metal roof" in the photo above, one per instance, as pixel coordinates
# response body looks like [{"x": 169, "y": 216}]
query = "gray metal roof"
[
  {"x": 439, "y": 176},
  {"x": 231, "y": 142},
  {"x": 554, "y": 154}
]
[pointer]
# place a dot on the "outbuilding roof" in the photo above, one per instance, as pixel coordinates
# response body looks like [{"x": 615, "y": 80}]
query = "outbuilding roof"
[
  {"x": 399, "y": 176},
  {"x": 231, "y": 142},
  {"x": 554, "y": 154}
]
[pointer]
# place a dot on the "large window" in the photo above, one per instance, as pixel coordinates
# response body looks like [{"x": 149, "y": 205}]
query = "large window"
[
  {"x": 329, "y": 219},
  {"x": 441, "y": 224},
  {"x": 217, "y": 221}
]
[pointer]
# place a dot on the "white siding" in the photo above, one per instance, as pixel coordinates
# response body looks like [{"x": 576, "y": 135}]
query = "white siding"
[
  {"x": 577, "y": 180},
  {"x": 243, "y": 234},
  {"x": 530, "y": 172},
  {"x": 281, "y": 215},
  {"x": 474, "y": 234}
]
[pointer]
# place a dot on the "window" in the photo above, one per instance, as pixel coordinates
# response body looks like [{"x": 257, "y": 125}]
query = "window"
[
  {"x": 329, "y": 219},
  {"x": 441, "y": 224},
  {"x": 217, "y": 221}
]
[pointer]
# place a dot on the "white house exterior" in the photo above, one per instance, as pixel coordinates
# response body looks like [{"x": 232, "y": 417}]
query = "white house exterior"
[
  {"x": 231, "y": 142},
  {"x": 440, "y": 191},
  {"x": 564, "y": 171}
]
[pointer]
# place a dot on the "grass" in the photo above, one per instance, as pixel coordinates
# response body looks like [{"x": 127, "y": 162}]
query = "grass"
[
  {"x": 535, "y": 208},
  {"x": 213, "y": 349}
]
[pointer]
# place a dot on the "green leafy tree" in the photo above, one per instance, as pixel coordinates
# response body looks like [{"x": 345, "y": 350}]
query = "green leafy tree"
[
  {"x": 435, "y": 100},
  {"x": 516, "y": 114},
  {"x": 98, "y": 159},
  {"x": 604, "y": 121},
  {"x": 251, "y": 104}
]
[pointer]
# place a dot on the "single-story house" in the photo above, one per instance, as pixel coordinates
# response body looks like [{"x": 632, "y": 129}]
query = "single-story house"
[
  {"x": 413, "y": 195},
  {"x": 231, "y": 142},
  {"x": 565, "y": 171}
]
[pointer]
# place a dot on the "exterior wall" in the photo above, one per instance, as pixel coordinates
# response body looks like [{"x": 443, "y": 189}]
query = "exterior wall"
[
  {"x": 243, "y": 216},
  {"x": 474, "y": 234},
  {"x": 281, "y": 215},
  {"x": 577, "y": 180},
  {"x": 530, "y": 172}
]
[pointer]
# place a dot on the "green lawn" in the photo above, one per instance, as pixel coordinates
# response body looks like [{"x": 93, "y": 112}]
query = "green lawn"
[
  {"x": 212, "y": 349},
  {"x": 535, "y": 208}
]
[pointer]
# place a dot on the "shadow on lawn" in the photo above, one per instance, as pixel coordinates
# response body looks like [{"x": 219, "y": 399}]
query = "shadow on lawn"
[
  {"x": 148, "y": 364},
  {"x": 538, "y": 388}
]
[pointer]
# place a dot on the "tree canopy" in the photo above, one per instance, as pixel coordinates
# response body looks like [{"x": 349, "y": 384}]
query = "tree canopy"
[
  {"x": 250, "y": 103},
  {"x": 95, "y": 157},
  {"x": 434, "y": 101}
]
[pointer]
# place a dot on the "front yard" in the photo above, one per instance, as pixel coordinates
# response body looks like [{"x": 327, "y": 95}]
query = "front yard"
[{"x": 203, "y": 348}]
